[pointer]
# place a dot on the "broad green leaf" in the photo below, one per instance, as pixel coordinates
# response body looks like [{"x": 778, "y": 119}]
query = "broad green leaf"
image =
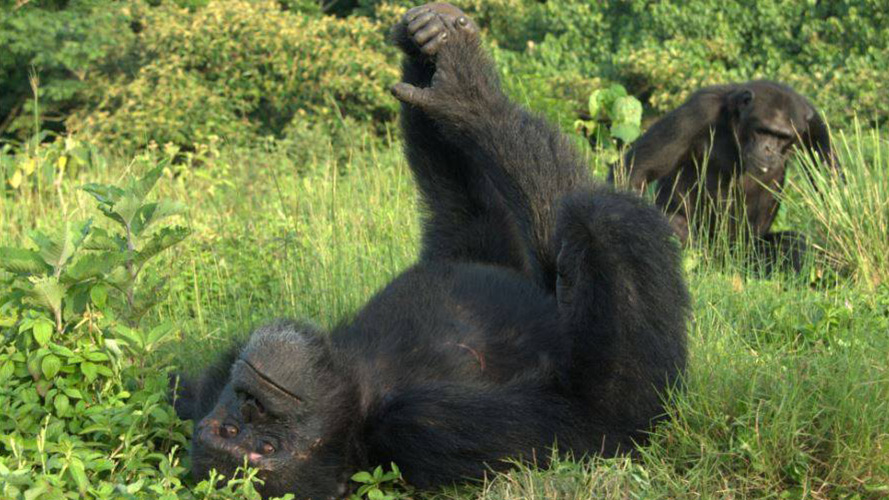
[
  {"x": 104, "y": 193},
  {"x": 362, "y": 477},
  {"x": 376, "y": 494},
  {"x": 104, "y": 371},
  {"x": 126, "y": 208},
  {"x": 50, "y": 366},
  {"x": 160, "y": 241},
  {"x": 94, "y": 265},
  {"x": 42, "y": 332},
  {"x": 99, "y": 295},
  {"x": 143, "y": 186},
  {"x": 626, "y": 110},
  {"x": 78, "y": 473},
  {"x": 118, "y": 278},
  {"x": 7, "y": 369},
  {"x": 626, "y": 132},
  {"x": 43, "y": 386},
  {"x": 22, "y": 261},
  {"x": 158, "y": 334},
  {"x": 57, "y": 251},
  {"x": 593, "y": 104},
  {"x": 130, "y": 336},
  {"x": 610, "y": 95},
  {"x": 89, "y": 370},
  {"x": 154, "y": 212},
  {"x": 62, "y": 351},
  {"x": 99, "y": 239},
  {"x": 73, "y": 393},
  {"x": 95, "y": 356},
  {"x": 61, "y": 403},
  {"x": 47, "y": 292},
  {"x": 134, "y": 487},
  {"x": 33, "y": 365}
]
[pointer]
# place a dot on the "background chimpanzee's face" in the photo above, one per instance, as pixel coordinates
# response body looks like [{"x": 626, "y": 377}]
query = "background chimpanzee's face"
[
  {"x": 281, "y": 412},
  {"x": 768, "y": 124}
]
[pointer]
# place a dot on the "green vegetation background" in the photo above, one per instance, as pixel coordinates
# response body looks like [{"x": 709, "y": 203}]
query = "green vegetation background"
[{"x": 272, "y": 122}]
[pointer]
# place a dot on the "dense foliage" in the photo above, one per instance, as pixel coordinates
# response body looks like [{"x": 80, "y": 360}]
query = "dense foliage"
[
  {"x": 835, "y": 52},
  {"x": 139, "y": 71}
]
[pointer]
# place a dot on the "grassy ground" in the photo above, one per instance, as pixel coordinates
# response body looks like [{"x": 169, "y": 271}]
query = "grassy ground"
[{"x": 788, "y": 387}]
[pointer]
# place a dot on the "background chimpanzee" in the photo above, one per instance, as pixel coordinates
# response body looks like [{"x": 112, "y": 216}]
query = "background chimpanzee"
[
  {"x": 542, "y": 310},
  {"x": 720, "y": 157}
]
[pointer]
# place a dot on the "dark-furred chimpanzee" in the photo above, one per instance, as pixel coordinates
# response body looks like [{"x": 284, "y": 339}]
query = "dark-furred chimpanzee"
[
  {"x": 740, "y": 137},
  {"x": 542, "y": 310}
]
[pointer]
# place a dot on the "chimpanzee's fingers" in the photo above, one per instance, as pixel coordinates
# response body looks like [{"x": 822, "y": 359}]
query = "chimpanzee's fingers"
[
  {"x": 421, "y": 21},
  {"x": 415, "y": 12},
  {"x": 428, "y": 32},
  {"x": 412, "y": 95}
]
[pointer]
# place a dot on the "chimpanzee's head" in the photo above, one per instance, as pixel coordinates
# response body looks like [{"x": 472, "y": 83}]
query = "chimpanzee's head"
[
  {"x": 768, "y": 120},
  {"x": 285, "y": 410}
]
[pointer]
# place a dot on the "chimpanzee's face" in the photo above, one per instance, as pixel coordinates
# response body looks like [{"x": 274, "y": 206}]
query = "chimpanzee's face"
[
  {"x": 768, "y": 124},
  {"x": 766, "y": 147},
  {"x": 282, "y": 412}
]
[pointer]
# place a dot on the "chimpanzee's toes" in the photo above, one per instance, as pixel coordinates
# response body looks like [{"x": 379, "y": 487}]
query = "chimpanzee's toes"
[{"x": 428, "y": 28}]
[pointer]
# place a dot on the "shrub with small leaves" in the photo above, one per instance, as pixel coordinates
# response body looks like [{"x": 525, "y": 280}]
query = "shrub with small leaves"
[
  {"x": 84, "y": 414},
  {"x": 241, "y": 70},
  {"x": 380, "y": 485}
]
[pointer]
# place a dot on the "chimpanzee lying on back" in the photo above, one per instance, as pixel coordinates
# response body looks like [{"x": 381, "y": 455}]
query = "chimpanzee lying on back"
[
  {"x": 740, "y": 137},
  {"x": 542, "y": 310}
]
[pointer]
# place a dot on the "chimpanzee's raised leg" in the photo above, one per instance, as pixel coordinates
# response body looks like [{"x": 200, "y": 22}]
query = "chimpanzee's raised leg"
[
  {"x": 529, "y": 164},
  {"x": 466, "y": 218}
]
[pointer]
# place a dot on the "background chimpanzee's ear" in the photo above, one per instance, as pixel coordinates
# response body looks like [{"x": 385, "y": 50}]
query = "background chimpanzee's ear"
[{"x": 740, "y": 99}]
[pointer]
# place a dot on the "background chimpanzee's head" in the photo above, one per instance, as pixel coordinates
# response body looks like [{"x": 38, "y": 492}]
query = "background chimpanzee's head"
[
  {"x": 285, "y": 410},
  {"x": 768, "y": 120}
]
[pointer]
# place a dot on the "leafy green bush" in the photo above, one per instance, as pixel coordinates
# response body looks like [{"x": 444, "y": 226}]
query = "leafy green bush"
[
  {"x": 66, "y": 44},
  {"x": 837, "y": 53},
  {"x": 614, "y": 118},
  {"x": 84, "y": 415},
  {"x": 240, "y": 70}
]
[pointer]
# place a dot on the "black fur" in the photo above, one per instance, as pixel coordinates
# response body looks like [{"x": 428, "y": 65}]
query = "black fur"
[
  {"x": 543, "y": 309},
  {"x": 740, "y": 137}
]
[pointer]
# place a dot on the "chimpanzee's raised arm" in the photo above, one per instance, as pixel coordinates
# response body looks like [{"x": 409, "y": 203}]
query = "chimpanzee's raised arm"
[{"x": 664, "y": 146}]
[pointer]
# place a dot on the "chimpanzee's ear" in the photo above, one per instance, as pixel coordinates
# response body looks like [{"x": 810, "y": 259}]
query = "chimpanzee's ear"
[
  {"x": 740, "y": 100},
  {"x": 194, "y": 397}
]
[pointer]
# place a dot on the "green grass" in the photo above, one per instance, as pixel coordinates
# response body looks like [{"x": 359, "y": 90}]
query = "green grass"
[{"x": 788, "y": 386}]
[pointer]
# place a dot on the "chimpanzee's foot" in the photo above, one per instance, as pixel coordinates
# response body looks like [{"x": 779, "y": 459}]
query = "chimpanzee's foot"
[{"x": 424, "y": 30}]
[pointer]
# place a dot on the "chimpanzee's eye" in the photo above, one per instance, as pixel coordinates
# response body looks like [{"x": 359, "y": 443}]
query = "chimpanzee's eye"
[{"x": 266, "y": 448}]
